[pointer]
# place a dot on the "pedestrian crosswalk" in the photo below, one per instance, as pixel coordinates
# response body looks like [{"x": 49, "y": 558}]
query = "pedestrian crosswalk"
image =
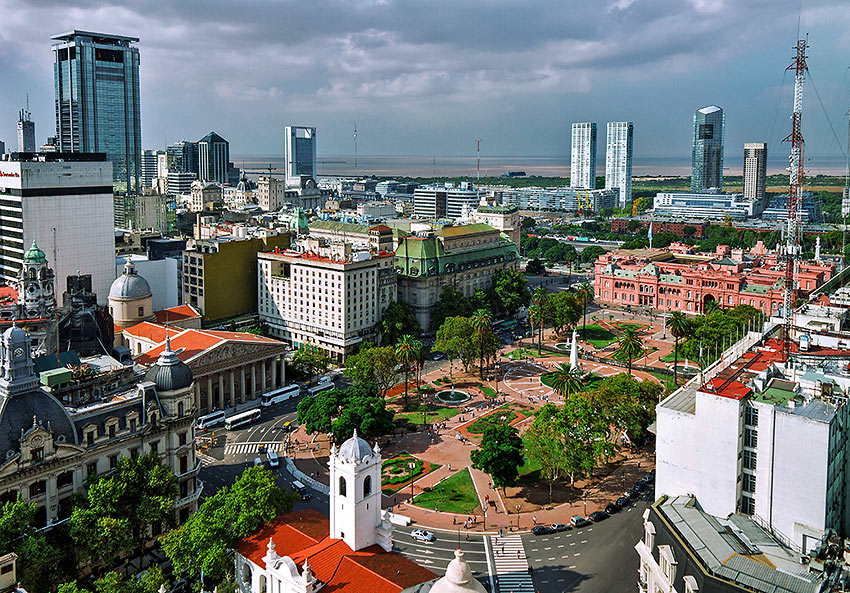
[
  {"x": 237, "y": 448},
  {"x": 206, "y": 459},
  {"x": 511, "y": 564}
]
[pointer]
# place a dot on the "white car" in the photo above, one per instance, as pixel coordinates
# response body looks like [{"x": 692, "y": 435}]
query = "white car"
[{"x": 422, "y": 535}]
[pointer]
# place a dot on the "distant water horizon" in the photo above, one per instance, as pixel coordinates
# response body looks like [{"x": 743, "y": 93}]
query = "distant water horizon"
[{"x": 494, "y": 166}]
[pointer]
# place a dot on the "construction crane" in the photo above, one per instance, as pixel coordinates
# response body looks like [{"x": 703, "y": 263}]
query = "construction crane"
[
  {"x": 795, "y": 192},
  {"x": 636, "y": 206}
]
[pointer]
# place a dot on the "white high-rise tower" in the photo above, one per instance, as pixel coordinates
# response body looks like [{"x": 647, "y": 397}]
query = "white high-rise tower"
[
  {"x": 583, "y": 156},
  {"x": 299, "y": 153},
  {"x": 355, "y": 496},
  {"x": 618, "y": 159}
]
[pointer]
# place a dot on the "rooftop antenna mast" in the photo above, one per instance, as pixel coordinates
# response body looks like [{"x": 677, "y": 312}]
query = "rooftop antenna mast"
[
  {"x": 355, "y": 146},
  {"x": 795, "y": 191},
  {"x": 845, "y": 201},
  {"x": 478, "y": 162}
]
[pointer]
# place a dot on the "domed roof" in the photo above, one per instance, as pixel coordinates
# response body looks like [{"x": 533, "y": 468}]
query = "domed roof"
[
  {"x": 15, "y": 335},
  {"x": 354, "y": 450},
  {"x": 129, "y": 286},
  {"x": 458, "y": 578},
  {"x": 16, "y": 415},
  {"x": 169, "y": 372},
  {"x": 34, "y": 255}
]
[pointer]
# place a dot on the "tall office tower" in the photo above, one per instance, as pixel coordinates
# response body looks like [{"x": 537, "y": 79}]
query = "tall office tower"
[
  {"x": 707, "y": 157},
  {"x": 63, "y": 201},
  {"x": 755, "y": 170},
  {"x": 618, "y": 159},
  {"x": 149, "y": 158},
  {"x": 213, "y": 158},
  {"x": 583, "y": 156},
  {"x": 96, "y": 80},
  {"x": 300, "y": 153},
  {"x": 26, "y": 131},
  {"x": 2, "y": 147},
  {"x": 183, "y": 157}
]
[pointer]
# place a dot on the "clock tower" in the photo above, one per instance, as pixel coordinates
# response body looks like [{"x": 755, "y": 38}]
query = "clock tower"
[{"x": 16, "y": 368}]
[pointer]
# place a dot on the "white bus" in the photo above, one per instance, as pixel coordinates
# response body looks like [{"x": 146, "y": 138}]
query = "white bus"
[
  {"x": 281, "y": 394},
  {"x": 243, "y": 419},
  {"x": 319, "y": 387},
  {"x": 206, "y": 422}
]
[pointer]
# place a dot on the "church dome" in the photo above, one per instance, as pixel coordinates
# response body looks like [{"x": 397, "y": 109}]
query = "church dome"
[
  {"x": 34, "y": 255},
  {"x": 458, "y": 578},
  {"x": 169, "y": 372},
  {"x": 354, "y": 450},
  {"x": 129, "y": 285}
]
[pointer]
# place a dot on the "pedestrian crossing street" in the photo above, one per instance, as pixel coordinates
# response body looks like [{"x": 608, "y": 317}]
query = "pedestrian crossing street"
[
  {"x": 511, "y": 564},
  {"x": 242, "y": 448}
]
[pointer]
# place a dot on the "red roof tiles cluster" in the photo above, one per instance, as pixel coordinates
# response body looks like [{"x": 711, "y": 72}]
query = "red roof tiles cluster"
[{"x": 187, "y": 343}]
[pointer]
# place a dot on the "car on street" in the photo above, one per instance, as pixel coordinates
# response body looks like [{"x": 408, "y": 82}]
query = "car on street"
[
  {"x": 598, "y": 516},
  {"x": 578, "y": 521},
  {"x": 631, "y": 494},
  {"x": 422, "y": 535},
  {"x": 639, "y": 486},
  {"x": 560, "y": 527},
  {"x": 258, "y": 461},
  {"x": 623, "y": 502},
  {"x": 261, "y": 448},
  {"x": 542, "y": 530},
  {"x": 612, "y": 508},
  {"x": 438, "y": 356}
]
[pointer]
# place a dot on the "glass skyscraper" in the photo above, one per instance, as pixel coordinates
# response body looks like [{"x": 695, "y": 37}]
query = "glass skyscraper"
[
  {"x": 707, "y": 159},
  {"x": 213, "y": 158},
  {"x": 618, "y": 159},
  {"x": 96, "y": 81},
  {"x": 299, "y": 153},
  {"x": 583, "y": 156}
]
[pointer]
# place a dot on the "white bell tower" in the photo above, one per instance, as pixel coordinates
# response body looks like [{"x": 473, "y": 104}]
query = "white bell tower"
[{"x": 355, "y": 496}]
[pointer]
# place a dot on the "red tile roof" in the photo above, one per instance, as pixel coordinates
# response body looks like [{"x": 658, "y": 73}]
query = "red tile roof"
[
  {"x": 177, "y": 314},
  {"x": 8, "y": 293},
  {"x": 188, "y": 343},
  {"x": 725, "y": 388},
  {"x": 303, "y": 535},
  {"x": 150, "y": 331}
]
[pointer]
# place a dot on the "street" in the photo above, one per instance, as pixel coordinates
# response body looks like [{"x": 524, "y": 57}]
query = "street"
[{"x": 436, "y": 555}]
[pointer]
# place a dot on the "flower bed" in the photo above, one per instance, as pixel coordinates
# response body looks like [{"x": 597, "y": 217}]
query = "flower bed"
[{"x": 396, "y": 473}]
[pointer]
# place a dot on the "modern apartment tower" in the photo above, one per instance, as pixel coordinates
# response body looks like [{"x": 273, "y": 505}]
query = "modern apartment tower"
[
  {"x": 213, "y": 158},
  {"x": 183, "y": 157},
  {"x": 618, "y": 159},
  {"x": 299, "y": 153},
  {"x": 26, "y": 131},
  {"x": 707, "y": 157},
  {"x": 755, "y": 170},
  {"x": 583, "y": 156},
  {"x": 96, "y": 81}
]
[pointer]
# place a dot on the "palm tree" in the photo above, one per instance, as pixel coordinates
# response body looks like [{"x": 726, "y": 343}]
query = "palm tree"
[
  {"x": 679, "y": 327},
  {"x": 533, "y": 312},
  {"x": 482, "y": 322},
  {"x": 631, "y": 345},
  {"x": 540, "y": 297},
  {"x": 420, "y": 360},
  {"x": 710, "y": 307},
  {"x": 405, "y": 351},
  {"x": 585, "y": 293},
  {"x": 566, "y": 381}
]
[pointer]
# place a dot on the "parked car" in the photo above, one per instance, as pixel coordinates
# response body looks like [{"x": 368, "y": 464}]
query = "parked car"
[
  {"x": 422, "y": 535},
  {"x": 639, "y": 486},
  {"x": 578, "y": 521},
  {"x": 648, "y": 478},
  {"x": 623, "y": 502},
  {"x": 631, "y": 494},
  {"x": 612, "y": 508},
  {"x": 598, "y": 516},
  {"x": 542, "y": 530},
  {"x": 560, "y": 527}
]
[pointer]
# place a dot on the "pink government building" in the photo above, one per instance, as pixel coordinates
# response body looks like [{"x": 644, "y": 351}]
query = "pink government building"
[{"x": 677, "y": 279}]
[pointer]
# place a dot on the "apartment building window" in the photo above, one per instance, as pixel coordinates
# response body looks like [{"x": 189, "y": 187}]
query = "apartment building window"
[
  {"x": 751, "y": 416},
  {"x": 751, "y": 438},
  {"x": 750, "y": 459},
  {"x": 113, "y": 461},
  {"x": 748, "y": 505},
  {"x": 181, "y": 438},
  {"x": 749, "y": 484},
  {"x": 91, "y": 468}
]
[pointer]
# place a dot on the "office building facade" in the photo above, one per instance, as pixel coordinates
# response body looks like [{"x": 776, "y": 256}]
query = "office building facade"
[
  {"x": 96, "y": 80},
  {"x": 445, "y": 201},
  {"x": 299, "y": 153},
  {"x": 26, "y": 132},
  {"x": 714, "y": 205},
  {"x": 583, "y": 156},
  {"x": 63, "y": 200},
  {"x": 618, "y": 159},
  {"x": 755, "y": 170},
  {"x": 213, "y": 158},
  {"x": 707, "y": 155},
  {"x": 183, "y": 157},
  {"x": 149, "y": 167}
]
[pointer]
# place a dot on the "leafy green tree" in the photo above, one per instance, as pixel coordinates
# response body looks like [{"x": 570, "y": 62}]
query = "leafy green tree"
[
  {"x": 528, "y": 223},
  {"x": 373, "y": 364},
  {"x": 452, "y": 303},
  {"x": 630, "y": 345},
  {"x": 454, "y": 339},
  {"x": 664, "y": 239},
  {"x": 509, "y": 291},
  {"x": 626, "y": 404},
  {"x": 406, "y": 353},
  {"x": 365, "y": 412},
  {"x": 567, "y": 381},
  {"x": 680, "y": 327},
  {"x": 398, "y": 320},
  {"x": 547, "y": 445},
  {"x": 591, "y": 253},
  {"x": 481, "y": 323},
  {"x": 540, "y": 298},
  {"x": 500, "y": 454},
  {"x": 563, "y": 309},
  {"x": 310, "y": 360},
  {"x": 201, "y": 544},
  {"x": 317, "y": 413},
  {"x": 535, "y": 267},
  {"x": 585, "y": 295}
]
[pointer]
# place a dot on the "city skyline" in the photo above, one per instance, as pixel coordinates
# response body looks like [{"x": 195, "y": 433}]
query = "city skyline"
[{"x": 356, "y": 63}]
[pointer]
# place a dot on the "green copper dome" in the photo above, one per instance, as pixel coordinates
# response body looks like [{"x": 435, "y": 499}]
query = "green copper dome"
[{"x": 34, "y": 255}]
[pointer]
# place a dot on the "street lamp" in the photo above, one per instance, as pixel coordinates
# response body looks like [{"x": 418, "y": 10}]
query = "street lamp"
[
  {"x": 518, "y": 507},
  {"x": 584, "y": 494}
]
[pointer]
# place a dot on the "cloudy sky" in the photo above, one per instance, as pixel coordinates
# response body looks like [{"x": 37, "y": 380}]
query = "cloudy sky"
[{"x": 427, "y": 77}]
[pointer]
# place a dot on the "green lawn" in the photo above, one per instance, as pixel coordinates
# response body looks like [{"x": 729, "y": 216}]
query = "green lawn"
[
  {"x": 434, "y": 414},
  {"x": 530, "y": 466},
  {"x": 619, "y": 356},
  {"x": 480, "y": 425},
  {"x": 630, "y": 325},
  {"x": 488, "y": 391},
  {"x": 523, "y": 353},
  {"x": 669, "y": 358},
  {"x": 592, "y": 383},
  {"x": 596, "y": 335},
  {"x": 666, "y": 381},
  {"x": 455, "y": 494}
]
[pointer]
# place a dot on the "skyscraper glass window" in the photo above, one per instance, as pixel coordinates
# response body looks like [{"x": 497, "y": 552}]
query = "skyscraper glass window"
[
  {"x": 299, "y": 153},
  {"x": 96, "y": 83},
  {"x": 707, "y": 158},
  {"x": 583, "y": 156},
  {"x": 755, "y": 170},
  {"x": 213, "y": 158},
  {"x": 618, "y": 159}
]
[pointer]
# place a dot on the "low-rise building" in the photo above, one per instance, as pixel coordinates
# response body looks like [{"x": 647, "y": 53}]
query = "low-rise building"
[
  {"x": 206, "y": 195},
  {"x": 708, "y": 204},
  {"x": 464, "y": 257},
  {"x": 505, "y": 219},
  {"x": 445, "y": 201},
  {"x": 664, "y": 225},
  {"x": 569, "y": 199},
  {"x": 326, "y": 295}
]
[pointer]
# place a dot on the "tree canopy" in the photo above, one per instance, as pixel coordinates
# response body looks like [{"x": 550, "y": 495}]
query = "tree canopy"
[
  {"x": 509, "y": 291},
  {"x": 398, "y": 320},
  {"x": 339, "y": 412},
  {"x": 500, "y": 454},
  {"x": 373, "y": 365},
  {"x": 459, "y": 339},
  {"x": 310, "y": 360}
]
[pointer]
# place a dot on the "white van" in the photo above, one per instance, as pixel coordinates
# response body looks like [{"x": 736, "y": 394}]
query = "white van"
[
  {"x": 206, "y": 422},
  {"x": 273, "y": 459}
]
